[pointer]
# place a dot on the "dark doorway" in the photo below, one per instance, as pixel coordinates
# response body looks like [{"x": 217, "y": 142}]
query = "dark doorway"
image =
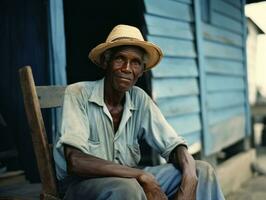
[{"x": 87, "y": 24}]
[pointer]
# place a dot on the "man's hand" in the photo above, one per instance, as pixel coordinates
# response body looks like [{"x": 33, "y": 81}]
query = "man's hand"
[
  {"x": 188, "y": 187},
  {"x": 151, "y": 187},
  {"x": 187, "y": 164}
]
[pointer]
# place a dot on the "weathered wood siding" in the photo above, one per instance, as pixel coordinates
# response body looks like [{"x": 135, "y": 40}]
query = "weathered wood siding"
[
  {"x": 216, "y": 107},
  {"x": 225, "y": 72},
  {"x": 174, "y": 82}
]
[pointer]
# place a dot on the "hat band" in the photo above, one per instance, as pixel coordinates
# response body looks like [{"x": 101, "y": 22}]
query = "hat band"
[{"x": 124, "y": 38}]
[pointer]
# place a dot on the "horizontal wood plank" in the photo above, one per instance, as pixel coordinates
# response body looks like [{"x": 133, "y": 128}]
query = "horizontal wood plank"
[
  {"x": 227, "y": 9},
  {"x": 176, "y": 67},
  {"x": 184, "y": 1},
  {"x": 236, "y": 3},
  {"x": 178, "y": 105},
  {"x": 224, "y": 67},
  {"x": 170, "y": 87},
  {"x": 174, "y": 47},
  {"x": 225, "y": 99},
  {"x": 168, "y": 27},
  {"x": 216, "y": 50},
  {"x": 217, "y": 116},
  {"x": 168, "y": 8},
  {"x": 192, "y": 138},
  {"x": 185, "y": 124},
  {"x": 224, "y": 83},
  {"x": 226, "y": 22},
  {"x": 220, "y": 35},
  {"x": 50, "y": 96},
  {"x": 225, "y": 133}
]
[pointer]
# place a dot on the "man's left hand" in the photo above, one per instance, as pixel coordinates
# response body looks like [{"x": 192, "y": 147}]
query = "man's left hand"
[{"x": 187, "y": 164}]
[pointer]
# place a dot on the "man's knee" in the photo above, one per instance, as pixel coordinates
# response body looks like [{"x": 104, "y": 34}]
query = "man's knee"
[
  {"x": 128, "y": 188},
  {"x": 204, "y": 169}
]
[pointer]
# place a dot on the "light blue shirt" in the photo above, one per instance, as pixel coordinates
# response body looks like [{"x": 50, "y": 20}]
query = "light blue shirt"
[{"x": 87, "y": 125}]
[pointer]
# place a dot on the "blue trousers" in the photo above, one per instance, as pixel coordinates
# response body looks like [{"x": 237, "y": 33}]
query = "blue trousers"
[{"x": 167, "y": 175}]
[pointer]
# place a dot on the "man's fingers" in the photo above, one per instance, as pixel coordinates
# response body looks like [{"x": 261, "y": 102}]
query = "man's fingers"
[
  {"x": 189, "y": 181},
  {"x": 156, "y": 196},
  {"x": 163, "y": 197},
  {"x": 186, "y": 194},
  {"x": 187, "y": 189}
]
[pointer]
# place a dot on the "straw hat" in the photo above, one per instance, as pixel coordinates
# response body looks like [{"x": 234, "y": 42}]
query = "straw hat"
[{"x": 127, "y": 35}]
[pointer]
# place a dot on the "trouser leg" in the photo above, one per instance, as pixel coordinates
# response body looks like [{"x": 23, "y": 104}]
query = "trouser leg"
[
  {"x": 107, "y": 188},
  {"x": 208, "y": 186},
  {"x": 168, "y": 176},
  {"x": 169, "y": 179}
]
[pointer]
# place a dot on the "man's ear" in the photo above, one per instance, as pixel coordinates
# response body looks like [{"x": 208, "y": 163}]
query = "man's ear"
[
  {"x": 140, "y": 74},
  {"x": 104, "y": 65},
  {"x": 144, "y": 66}
]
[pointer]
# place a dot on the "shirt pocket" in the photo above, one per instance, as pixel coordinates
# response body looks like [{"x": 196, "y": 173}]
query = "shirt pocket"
[
  {"x": 95, "y": 148},
  {"x": 133, "y": 157}
]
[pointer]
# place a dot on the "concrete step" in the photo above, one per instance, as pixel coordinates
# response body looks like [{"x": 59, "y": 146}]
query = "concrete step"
[
  {"x": 236, "y": 171},
  {"x": 255, "y": 187}
]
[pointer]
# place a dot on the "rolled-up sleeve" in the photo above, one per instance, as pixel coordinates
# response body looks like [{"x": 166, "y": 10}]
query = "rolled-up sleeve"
[
  {"x": 74, "y": 130},
  {"x": 158, "y": 133}
]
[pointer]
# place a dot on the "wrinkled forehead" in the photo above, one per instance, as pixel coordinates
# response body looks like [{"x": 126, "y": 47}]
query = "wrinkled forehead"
[{"x": 136, "y": 49}]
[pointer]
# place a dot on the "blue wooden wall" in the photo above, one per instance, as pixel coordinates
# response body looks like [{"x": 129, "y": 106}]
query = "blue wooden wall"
[
  {"x": 200, "y": 85},
  {"x": 175, "y": 85},
  {"x": 225, "y": 72}
]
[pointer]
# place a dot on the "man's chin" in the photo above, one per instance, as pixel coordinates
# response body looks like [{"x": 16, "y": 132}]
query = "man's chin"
[{"x": 123, "y": 88}]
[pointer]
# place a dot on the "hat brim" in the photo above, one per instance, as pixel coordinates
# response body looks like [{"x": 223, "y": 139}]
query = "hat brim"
[{"x": 154, "y": 53}]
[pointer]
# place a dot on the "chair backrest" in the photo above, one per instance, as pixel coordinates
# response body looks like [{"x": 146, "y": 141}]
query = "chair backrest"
[{"x": 35, "y": 98}]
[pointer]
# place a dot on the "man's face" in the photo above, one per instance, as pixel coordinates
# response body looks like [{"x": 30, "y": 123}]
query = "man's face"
[{"x": 124, "y": 68}]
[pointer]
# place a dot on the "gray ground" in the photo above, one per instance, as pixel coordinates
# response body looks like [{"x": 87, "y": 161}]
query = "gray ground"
[{"x": 255, "y": 188}]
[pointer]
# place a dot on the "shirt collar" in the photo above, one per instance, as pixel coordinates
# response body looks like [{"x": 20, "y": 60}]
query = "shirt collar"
[{"x": 97, "y": 96}]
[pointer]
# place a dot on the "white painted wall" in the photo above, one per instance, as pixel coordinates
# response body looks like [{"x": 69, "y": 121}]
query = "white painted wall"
[
  {"x": 251, "y": 60},
  {"x": 257, "y": 66}
]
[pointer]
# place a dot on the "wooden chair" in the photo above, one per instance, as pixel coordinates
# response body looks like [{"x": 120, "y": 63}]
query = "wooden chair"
[{"x": 35, "y": 98}]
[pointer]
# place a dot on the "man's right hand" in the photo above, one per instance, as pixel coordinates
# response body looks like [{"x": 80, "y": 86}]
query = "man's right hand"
[{"x": 151, "y": 187}]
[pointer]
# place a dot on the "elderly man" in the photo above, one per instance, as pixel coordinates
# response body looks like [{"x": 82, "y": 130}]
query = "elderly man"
[{"x": 98, "y": 152}]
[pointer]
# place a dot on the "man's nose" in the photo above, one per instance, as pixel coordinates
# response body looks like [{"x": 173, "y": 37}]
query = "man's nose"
[{"x": 127, "y": 66}]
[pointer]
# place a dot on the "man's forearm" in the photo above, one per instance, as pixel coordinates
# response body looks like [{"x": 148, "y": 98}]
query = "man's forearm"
[
  {"x": 186, "y": 163},
  {"x": 182, "y": 156},
  {"x": 179, "y": 156},
  {"x": 84, "y": 165}
]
